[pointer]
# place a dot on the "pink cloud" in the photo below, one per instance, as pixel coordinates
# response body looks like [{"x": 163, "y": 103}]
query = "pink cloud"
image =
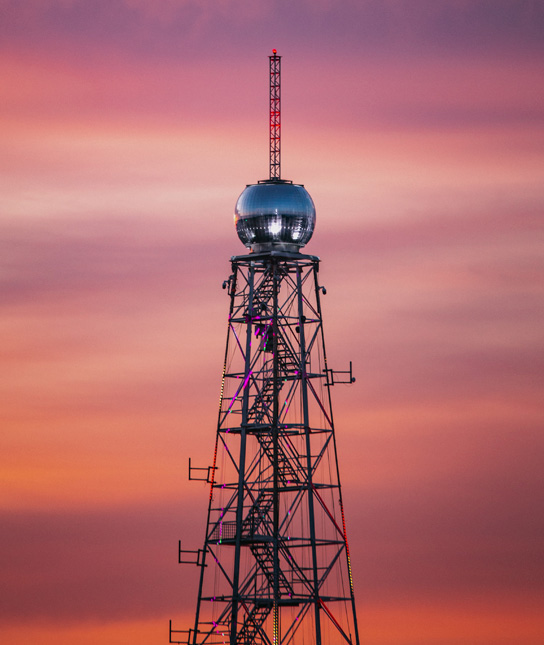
[{"x": 98, "y": 566}]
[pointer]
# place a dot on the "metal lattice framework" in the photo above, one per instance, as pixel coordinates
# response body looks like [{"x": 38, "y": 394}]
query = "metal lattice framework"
[
  {"x": 275, "y": 562},
  {"x": 275, "y": 116}
]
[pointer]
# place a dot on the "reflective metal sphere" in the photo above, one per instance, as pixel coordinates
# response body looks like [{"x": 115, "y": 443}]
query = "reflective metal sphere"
[{"x": 274, "y": 215}]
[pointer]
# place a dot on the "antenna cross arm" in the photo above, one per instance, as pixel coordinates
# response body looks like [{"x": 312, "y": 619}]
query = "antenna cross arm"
[{"x": 343, "y": 380}]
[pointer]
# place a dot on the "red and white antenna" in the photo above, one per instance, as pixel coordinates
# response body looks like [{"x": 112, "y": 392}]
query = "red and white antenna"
[{"x": 275, "y": 116}]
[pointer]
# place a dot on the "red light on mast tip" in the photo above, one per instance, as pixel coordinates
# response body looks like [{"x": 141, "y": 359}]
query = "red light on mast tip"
[{"x": 274, "y": 52}]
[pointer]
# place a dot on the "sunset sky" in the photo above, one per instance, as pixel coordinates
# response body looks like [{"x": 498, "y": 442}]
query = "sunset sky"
[{"x": 128, "y": 130}]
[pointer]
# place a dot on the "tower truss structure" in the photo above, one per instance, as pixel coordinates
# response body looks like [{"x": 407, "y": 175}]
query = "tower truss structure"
[
  {"x": 275, "y": 535},
  {"x": 275, "y": 116}
]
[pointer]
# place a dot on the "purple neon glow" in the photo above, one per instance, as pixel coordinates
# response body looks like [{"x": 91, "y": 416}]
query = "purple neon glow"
[
  {"x": 237, "y": 340},
  {"x": 242, "y": 387},
  {"x": 247, "y": 379}
]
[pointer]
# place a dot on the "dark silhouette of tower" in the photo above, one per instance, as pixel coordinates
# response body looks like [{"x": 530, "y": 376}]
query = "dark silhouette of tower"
[{"x": 275, "y": 564}]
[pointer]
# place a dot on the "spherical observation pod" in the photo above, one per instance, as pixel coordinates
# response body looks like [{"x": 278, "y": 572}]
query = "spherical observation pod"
[{"x": 275, "y": 214}]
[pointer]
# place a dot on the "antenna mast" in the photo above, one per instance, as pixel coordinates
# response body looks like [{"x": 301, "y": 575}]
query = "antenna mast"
[{"x": 275, "y": 116}]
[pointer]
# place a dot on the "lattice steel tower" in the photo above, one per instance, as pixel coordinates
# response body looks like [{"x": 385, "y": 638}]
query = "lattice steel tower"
[{"x": 275, "y": 566}]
